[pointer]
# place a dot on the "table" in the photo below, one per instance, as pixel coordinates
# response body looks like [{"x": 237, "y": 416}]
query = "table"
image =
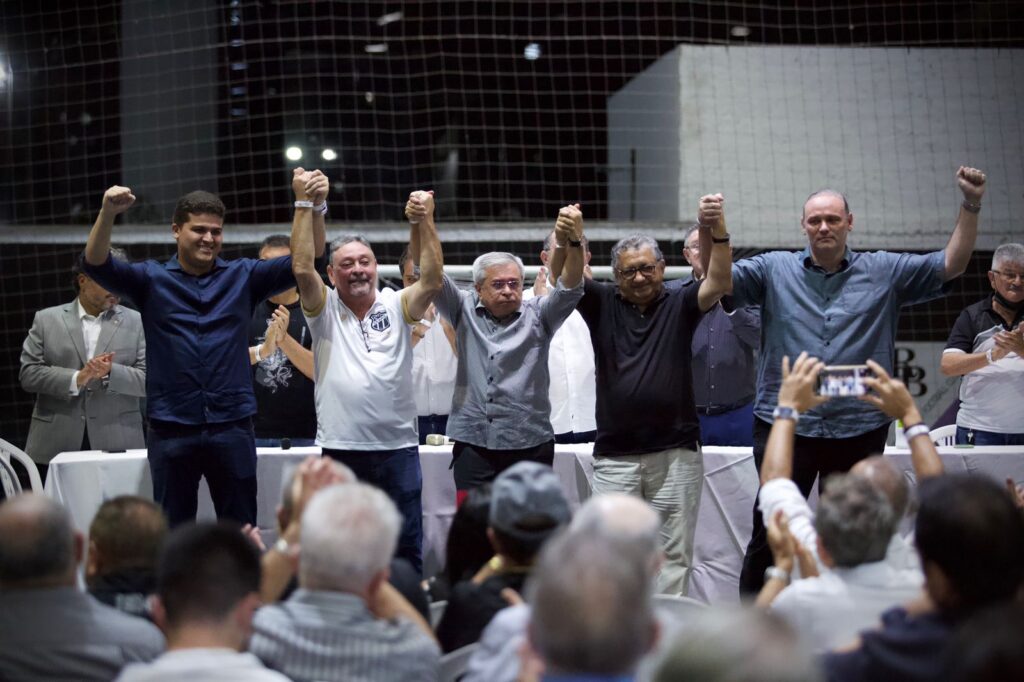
[{"x": 82, "y": 480}]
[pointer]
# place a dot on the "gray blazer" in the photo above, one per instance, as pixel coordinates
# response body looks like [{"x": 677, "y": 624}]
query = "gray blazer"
[{"x": 53, "y": 350}]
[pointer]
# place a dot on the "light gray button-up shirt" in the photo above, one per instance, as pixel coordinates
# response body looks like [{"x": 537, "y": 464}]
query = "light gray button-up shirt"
[{"x": 501, "y": 387}]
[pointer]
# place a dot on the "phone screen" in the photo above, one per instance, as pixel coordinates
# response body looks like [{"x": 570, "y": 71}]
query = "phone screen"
[{"x": 838, "y": 381}]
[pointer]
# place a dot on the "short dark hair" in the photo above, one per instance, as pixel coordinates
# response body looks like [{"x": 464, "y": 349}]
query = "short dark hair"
[
  {"x": 989, "y": 647},
  {"x": 468, "y": 548},
  {"x": 198, "y": 203},
  {"x": 973, "y": 532},
  {"x": 128, "y": 531},
  {"x": 205, "y": 570},
  {"x": 276, "y": 241},
  {"x": 522, "y": 550},
  {"x": 78, "y": 267}
]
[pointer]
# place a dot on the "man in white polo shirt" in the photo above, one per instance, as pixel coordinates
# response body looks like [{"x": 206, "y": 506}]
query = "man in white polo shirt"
[{"x": 362, "y": 353}]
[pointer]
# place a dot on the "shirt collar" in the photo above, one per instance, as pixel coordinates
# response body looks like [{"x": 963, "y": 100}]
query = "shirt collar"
[
  {"x": 173, "y": 264},
  {"x": 83, "y": 313},
  {"x": 805, "y": 257}
]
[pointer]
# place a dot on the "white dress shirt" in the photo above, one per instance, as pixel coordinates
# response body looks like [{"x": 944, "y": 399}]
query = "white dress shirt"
[
  {"x": 572, "y": 391},
  {"x": 91, "y": 334},
  {"x": 433, "y": 372}
]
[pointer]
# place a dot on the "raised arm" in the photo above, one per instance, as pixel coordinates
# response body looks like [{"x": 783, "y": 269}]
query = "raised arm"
[
  {"x": 568, "y": 255},
  {"x": 116, "y": 200},
  {"x": 961, "y": 244},
  {"x": 893, "y": 398},
  {"x": 719, "y": 279},
  {"x": 796, "y": 393},
  {"x": 317, "y": 188},
  {"x": 311, "y": 287},
  {"x": 420, "y": 295}
]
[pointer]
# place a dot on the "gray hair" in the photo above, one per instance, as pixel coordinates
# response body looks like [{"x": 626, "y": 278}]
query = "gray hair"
[
  {"x": 549, "y": 242},
  {"x": 349, "y": 533},
  {"x": 729, "y": 644},
  {"x": 635, "y": 242},
  {"x": 885, "y": 476},
  {"x": 37, "y": 541},
  {"x": 346, "y": 239},
  {"x": 592, "y": 610},
  {"x": 625, "y": 521},
  {"x": 491, "y": 259},
  {"x": 828, "y": 191},
  {"x": 1008, "y": 253},
  {"x": 854, "y": 520},
  {"x": 688, "y": 231}
]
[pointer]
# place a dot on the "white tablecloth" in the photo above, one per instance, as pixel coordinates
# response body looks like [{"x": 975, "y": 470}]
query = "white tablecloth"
[{"x": 82, "y": 480}]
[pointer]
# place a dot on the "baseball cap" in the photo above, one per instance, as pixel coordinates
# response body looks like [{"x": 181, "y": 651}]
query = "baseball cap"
[{"x": 527, "y": 501}]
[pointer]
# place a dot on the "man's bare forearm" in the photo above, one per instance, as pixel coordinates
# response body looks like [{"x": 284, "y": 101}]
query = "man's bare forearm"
[
  {"x": 98, "y": 247},
  {"x": 778, "y": 452}
]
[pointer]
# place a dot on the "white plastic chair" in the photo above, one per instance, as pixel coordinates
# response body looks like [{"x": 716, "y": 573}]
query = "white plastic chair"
[
  {"x": 453, "y": 664},
  {"x": 9, "y": 452},
  {"x": 9, "y": 483},
  {"x": 944, "y": 435}
]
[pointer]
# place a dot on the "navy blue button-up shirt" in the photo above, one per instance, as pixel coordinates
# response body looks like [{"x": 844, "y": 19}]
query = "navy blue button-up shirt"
[
  {"x": 843, "y": 318},
  {"x": 197, "y": 331}
]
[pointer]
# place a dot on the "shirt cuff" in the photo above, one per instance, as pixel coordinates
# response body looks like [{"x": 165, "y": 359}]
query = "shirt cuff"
[{"x": 73, "y": 388}]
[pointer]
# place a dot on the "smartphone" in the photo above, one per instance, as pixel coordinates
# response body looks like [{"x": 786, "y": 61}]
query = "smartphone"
[{"x": 843, "y": 380}]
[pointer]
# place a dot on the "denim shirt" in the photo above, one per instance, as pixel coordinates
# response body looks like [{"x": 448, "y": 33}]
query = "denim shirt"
[{"x": 842, "y": 318}]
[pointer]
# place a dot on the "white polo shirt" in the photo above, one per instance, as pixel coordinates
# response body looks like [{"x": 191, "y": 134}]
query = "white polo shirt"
[{"x": 363, "y": 374}]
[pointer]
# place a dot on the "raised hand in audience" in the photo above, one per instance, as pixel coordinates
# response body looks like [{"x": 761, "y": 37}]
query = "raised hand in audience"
[
  {"x": 890, "y": 395},
  {"x": 799, "y": 383},
  {"x": 252, "y": 533}
]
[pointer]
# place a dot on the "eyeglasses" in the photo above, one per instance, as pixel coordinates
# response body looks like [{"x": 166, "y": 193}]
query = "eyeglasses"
[
  {"x": 499, "y": 284},
  {"x": 695, "y": 247},
  {"x": 1009, "y": 276},
  {"x": 629, "y": 273}
]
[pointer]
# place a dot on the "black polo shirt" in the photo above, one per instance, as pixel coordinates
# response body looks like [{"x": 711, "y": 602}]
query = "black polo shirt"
[{"x": 644, "y": 375}]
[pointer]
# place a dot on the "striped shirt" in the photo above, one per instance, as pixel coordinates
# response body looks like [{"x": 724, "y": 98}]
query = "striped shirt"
[{"x": 323, "y": 636}]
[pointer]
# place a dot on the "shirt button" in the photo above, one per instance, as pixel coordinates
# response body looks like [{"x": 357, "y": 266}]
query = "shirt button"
[
  {"x": 712, "y": 385},
  {"x": 827, "y": 342},
  {"x": 490, "y": 379}
]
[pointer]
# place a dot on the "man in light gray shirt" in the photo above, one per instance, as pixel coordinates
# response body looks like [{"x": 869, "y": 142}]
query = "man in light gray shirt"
[
  {"x": 49, "y": 629},
  {"x": 501, "y": 412}
]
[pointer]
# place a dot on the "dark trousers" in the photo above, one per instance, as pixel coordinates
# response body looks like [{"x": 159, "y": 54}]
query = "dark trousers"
[
  {"x": 812, "y": 458},
  {"x": 571, "y": 437},
  {"x": 397, "y": 473},
  {"x": 475, "y": 466},
  {"x": 432, "y": 423},
  {"x": 181, "y": 454}
]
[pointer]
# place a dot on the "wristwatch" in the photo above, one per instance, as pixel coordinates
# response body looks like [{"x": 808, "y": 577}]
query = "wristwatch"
[
  {"x": 781, "y": 412},
  {"x": 777, "y": 573}
]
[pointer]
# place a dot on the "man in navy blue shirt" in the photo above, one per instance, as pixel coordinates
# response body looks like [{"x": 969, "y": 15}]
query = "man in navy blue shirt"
[{"x": 195, "y": 310}]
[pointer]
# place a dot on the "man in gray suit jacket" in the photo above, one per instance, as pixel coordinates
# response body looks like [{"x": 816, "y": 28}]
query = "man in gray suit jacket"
[{"x": 86, "y": 363}]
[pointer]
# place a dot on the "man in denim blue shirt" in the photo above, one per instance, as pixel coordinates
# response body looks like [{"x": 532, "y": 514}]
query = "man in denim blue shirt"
[
  {"x": 196, "y": 309},
  {"x": 842, "y": 307}
]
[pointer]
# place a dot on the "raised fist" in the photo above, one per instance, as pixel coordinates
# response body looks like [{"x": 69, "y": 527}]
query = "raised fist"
[
  {"x": 117, "y": 200},
  {"x": 419, "y": 206},
  {"x": 569, "y": 224},
  {"x": 317, "y": 187},
  {"x": 709, "y": 210},
  {"x": 972, "y": 183},
  {"x": 300, "y": 176}
]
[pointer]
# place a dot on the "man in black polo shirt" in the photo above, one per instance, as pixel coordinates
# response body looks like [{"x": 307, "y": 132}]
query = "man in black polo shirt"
[{"x": 647, "y": 428}]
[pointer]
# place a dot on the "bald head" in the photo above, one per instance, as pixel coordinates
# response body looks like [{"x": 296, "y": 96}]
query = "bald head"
[
  {"x": 884, "y": 475},
  {"x": 38, "y": 545},
  {"x": 622, "y": 520}
]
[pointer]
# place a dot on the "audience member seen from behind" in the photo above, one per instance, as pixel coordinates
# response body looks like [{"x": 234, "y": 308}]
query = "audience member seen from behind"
[
  {"x": 986, "y": 348},
  {"x": 125, "y": 538},
  {"x": 468, "y": 548},
  {"x": 50, "y": 630},
  {"x": 208, "y": 584},
  {"x": 527, "y": 507},
  {"x": 345, "y": 622},
  {"x": 989, "y": 647},
  {"x": 592, "y": 613},
  {"x": 280, "y": 562},
  {"x": 738, "y": 645},
  {"x": 970, "y": 536}
]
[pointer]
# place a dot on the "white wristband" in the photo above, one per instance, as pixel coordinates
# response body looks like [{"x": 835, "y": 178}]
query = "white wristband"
[
  {"x": 303, "y": 204},
  {"x": 426, "y": 323},
  {"x": 988, "y": 356},
  {"x": 917, "y": 430},
  {"x": 321, "y": 207},
  {"x": 259, "y": 347}
]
